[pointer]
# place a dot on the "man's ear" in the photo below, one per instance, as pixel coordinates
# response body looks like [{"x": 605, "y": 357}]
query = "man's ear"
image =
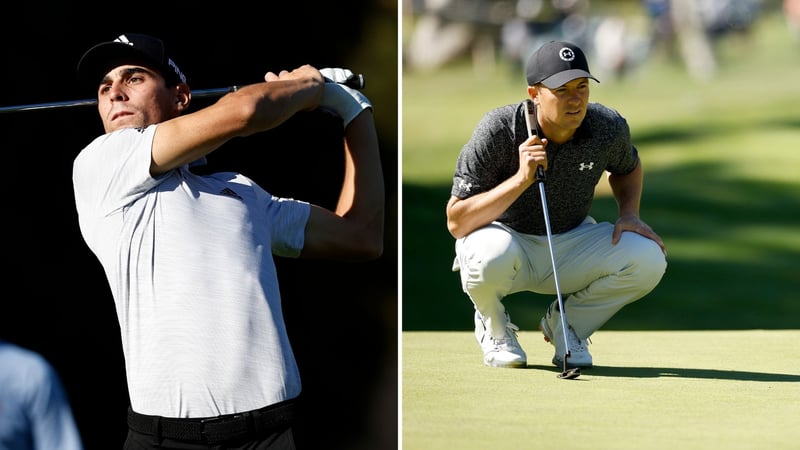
[
  {"x": 532, "y": 92},
  {"x": 183, "y": 96}
]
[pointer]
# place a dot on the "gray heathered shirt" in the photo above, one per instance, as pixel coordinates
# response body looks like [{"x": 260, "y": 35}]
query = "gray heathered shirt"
[{"x": 601, "y": 143}]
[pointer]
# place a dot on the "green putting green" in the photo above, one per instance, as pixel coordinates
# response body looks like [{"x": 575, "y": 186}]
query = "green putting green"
[{"x": 736, "y": 389}]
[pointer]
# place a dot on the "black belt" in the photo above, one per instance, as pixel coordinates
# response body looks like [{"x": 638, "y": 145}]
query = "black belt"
[{"x": 218, "y": 429}]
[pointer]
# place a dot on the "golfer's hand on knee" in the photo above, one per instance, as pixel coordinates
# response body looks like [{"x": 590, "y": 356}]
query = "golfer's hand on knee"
[{"x": 637, "y": 225}]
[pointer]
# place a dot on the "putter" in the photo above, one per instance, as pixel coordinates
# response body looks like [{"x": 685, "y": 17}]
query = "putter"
[
  {"x": 533, "y": 128},
  {"x": 355, "y": 81}
]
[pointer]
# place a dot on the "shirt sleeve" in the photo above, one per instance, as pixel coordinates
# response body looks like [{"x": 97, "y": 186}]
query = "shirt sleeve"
[
  {"x": 114, "y": 170},
  {"x": 485, "y": 159},
  {"x": 623, "y": 157}
]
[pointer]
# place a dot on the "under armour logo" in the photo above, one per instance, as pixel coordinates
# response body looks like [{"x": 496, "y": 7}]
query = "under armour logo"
[
  {"x": 566, "y": 54},
  {"x": 587, "y": 166},
  {"x": 464, "y": 185}
]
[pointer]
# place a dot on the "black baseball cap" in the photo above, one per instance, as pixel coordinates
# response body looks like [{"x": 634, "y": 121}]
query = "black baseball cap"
[
  {"x": 556, "y": 63},
  {"x": 129, "y": 48}
]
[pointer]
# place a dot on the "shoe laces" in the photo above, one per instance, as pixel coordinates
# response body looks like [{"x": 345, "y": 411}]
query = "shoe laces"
[
  {"x": 511, "y": 336},
  {"x": 512, "y": 327}
]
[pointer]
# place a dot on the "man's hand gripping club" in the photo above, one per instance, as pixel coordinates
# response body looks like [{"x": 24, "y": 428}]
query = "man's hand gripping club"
[{"x": 532, "y": 153}]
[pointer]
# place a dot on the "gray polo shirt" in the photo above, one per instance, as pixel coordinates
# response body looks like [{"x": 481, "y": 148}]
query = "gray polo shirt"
[{"x": 601, "y": 143}]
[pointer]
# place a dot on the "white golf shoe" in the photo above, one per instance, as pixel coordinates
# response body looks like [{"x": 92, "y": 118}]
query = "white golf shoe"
[
  {"x": 579, "y": 355},
  {"x": 500, "y": 352}
]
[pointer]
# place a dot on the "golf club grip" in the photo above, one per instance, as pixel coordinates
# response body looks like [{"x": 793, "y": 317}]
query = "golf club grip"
[
  {"x": 355, "y": 81},
  {"x": 530, "y": 117},
  {"x": 533, "y": 129}
]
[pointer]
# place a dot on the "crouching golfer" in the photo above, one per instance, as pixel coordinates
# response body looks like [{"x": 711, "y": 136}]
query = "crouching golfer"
[
  {"x": 495, "y": 213},
  {"x": 189, "y": 257}
]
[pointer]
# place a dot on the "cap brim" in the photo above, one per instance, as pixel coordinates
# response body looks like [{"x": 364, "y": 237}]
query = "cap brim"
[
  {"x": 100, "y": 59},
  {"x": 562, "y": 78}
]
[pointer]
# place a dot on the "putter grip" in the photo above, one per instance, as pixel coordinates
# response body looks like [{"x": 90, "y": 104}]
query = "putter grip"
[{"x": 533, "y": 129}]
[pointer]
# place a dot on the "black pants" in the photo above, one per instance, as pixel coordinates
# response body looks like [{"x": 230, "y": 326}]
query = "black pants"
[{"x": 268, "y": 428}]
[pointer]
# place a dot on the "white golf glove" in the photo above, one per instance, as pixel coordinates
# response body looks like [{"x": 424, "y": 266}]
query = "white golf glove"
[
  {"x": 336, "y": 75},
  {"x": 339, "y": 99}
]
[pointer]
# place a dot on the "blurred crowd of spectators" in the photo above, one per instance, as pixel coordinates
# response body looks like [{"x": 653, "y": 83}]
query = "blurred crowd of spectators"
[{"x": 484, "y": 30}]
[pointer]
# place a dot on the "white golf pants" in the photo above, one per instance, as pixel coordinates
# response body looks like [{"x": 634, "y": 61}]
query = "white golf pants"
[{"x": 596, "y": 278}]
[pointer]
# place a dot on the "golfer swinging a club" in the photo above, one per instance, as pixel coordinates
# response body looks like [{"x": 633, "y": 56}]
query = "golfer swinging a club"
[
  {"x": 189, "y": 257},
  {"x": 495, "y": 213}
]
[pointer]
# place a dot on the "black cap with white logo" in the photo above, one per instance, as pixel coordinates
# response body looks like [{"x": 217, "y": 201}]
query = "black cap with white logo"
[
  {"x": 130, "y": 48},
  {"x": 555, "y": 64}
]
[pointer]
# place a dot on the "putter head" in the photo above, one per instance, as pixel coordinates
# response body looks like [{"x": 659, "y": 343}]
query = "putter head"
[{"x": 569, "y": 374}]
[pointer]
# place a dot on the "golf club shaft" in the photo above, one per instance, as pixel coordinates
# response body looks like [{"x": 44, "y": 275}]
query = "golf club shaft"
[
  {"x": 533, "y": 128},
  {"x": 88, "y": 102},
  {"x": 356, "y": 82},
  {"x": 555, "y": 272}
]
